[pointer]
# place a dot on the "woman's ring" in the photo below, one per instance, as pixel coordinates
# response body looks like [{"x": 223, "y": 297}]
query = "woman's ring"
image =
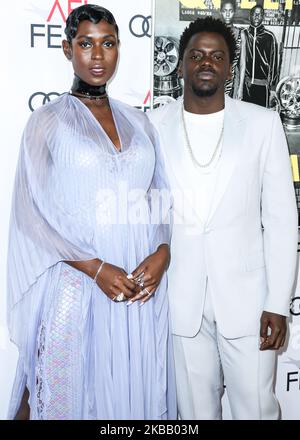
[{"x": 120, "y": 297}]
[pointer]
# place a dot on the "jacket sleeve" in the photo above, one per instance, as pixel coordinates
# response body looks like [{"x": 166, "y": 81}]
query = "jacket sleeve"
[
  {"x": 42, "y": 232},
  {"x": 274, "y": 63},
  {"x": 280, "y": 222}
]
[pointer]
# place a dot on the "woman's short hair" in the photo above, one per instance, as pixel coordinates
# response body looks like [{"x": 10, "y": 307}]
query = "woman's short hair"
[{"x": 93, "y": 13}]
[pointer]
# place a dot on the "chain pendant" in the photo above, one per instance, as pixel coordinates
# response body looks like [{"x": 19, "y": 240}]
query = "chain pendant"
[{"x": 190, "y": 150}]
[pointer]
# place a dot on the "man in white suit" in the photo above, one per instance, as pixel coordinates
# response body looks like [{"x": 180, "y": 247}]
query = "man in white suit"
[{"x": 234, "y": 245}]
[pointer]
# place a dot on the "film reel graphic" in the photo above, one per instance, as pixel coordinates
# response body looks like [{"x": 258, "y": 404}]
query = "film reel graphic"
[
  {"x": 288, "y": 94},
  {"x": 165, "y": 56},
  {"x": 167, "y": 85}
]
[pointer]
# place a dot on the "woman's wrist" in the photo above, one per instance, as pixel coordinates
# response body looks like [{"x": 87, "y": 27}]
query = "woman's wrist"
[
  {"x": 163, "y": 248},
  {"x": 164, "y": 251},
  {"x": 89, "y": 267},
  {"x": 97, "y": 274}
]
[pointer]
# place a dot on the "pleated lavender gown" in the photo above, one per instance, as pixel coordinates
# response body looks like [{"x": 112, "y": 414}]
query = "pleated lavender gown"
[{"x": 81, "y": 355}]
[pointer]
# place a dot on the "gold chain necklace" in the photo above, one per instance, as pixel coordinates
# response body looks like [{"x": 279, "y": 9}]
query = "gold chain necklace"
[{"x": 190, "y": 150}]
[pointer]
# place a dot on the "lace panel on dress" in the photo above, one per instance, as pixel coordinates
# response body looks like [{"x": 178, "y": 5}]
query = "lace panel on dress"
[{"x": 59, "y": 356}]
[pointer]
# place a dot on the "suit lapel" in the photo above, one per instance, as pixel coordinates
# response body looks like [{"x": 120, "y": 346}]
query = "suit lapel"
[
  {"x": 173, "y": 139},
  {"x": 234, "y": 131}
]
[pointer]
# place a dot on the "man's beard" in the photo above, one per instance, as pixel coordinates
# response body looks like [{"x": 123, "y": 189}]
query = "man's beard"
[{"x": 204, "y": 93}]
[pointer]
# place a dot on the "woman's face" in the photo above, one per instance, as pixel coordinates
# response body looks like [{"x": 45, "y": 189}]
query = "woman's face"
[{"x": 94, "y": 52}]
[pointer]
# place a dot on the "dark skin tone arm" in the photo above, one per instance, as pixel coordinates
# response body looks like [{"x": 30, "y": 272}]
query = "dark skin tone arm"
[
  {"x": 277, "y": 324},
  {"x": 112, "y": 279},
  {"x": 24, "y": 410},
  {"x": 153, "y": 268}
]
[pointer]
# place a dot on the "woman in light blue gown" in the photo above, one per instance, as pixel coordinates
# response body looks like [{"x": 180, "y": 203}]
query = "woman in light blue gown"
[{"x": 88, "y": 249}]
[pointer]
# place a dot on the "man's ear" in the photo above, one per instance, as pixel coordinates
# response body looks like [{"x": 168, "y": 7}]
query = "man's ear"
[
  {"x": 179, "y": 69},
  {"x": 67, "y": 48}
]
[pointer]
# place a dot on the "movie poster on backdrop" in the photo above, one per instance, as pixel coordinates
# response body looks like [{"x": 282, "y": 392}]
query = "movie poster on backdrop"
[{"x": 266, "y": 69}]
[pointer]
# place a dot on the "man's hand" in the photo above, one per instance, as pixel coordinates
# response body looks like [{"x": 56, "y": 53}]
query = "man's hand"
[
  {"x": 277, "y": 325},
  {"x": 273, "y": 100}
]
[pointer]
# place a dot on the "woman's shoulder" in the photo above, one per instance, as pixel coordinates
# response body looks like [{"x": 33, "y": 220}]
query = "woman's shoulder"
[
  {"x": 50, "y": 108},
  {"x": 46, "y": 117}
]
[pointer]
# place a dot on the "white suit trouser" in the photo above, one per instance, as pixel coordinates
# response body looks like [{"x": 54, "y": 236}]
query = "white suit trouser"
[{"x": 201, "y": 364}]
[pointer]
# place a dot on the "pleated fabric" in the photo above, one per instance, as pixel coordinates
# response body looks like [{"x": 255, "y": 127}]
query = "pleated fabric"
[{"x": 76, "y": 197}]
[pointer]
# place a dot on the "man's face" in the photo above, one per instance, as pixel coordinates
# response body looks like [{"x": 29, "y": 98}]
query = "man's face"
[
  {"x": 205, "y": 66},
  {"x": 227, "y": 13},
  {"x": 256, "y": 16}
]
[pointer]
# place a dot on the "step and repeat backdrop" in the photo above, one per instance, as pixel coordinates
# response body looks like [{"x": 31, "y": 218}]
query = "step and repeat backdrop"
[{"x": 35, "y": 71}]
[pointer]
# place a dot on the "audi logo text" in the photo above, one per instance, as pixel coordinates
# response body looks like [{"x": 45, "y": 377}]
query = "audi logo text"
[
  {"x": 140, "y": 26},
  {"x": 295, "y": 306},
  {"x": 38, "y": 99}
]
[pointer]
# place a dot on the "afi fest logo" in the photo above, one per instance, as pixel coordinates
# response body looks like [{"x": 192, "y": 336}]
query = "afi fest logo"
[
  {"x": 293, "y": 377},
  {"x": 50, "y": 33}
]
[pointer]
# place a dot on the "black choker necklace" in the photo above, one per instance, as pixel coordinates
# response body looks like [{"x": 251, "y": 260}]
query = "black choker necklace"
[{"x": 84, "y": 90}]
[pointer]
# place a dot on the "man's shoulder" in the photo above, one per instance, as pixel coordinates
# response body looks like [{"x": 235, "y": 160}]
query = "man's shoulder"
[
  {"x": 269, "y": 35},
  {"x": 164, "y": 113},
  {"x": 249, "y": 111}
]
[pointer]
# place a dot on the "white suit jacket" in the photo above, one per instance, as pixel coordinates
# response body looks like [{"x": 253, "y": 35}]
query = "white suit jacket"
[{"x": 247, "y": 248}]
